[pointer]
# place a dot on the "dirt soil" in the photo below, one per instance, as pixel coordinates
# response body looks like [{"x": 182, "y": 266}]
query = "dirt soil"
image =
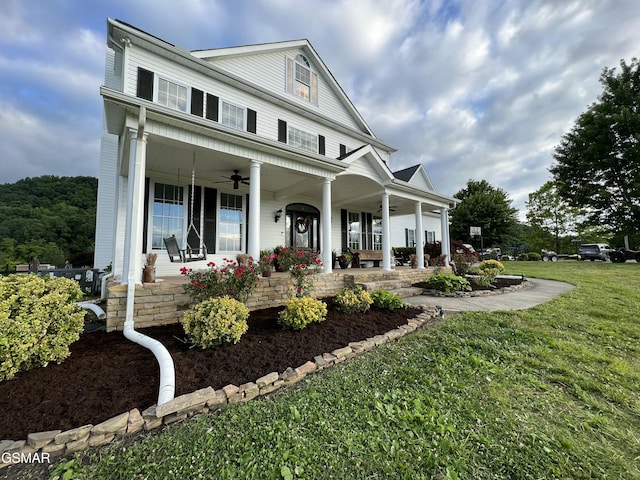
[{"x": 107, "y": 375}]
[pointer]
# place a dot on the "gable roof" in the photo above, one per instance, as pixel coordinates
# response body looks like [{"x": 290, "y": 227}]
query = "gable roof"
[
  {"x": 406, "y": 174},
  {"x": 416, "y": 176},
  {"x": 310, "y": 53}
]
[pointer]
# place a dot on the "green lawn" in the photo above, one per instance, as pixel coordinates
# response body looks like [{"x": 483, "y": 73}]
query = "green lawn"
[{"x": 552, "y": 392}]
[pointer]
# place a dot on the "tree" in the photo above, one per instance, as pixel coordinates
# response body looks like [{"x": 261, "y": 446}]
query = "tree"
[
  {"x": 598, "y": 161},
  {"x": 549, "y": 213},
  {"x": 483, "y": 206}
]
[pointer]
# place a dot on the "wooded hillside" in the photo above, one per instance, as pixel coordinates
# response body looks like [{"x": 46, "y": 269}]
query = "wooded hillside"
[{"x": 52, "y": 218}]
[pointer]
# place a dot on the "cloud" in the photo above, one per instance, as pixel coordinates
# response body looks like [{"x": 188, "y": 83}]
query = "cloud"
[{"x": 473, "y": 89}]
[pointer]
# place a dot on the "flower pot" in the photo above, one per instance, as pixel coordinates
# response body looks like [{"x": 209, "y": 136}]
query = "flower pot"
[
  {"x": 344, "y": 264},
  {"x": 266, "y": 272},
  {"x": 149, "y": 274}
]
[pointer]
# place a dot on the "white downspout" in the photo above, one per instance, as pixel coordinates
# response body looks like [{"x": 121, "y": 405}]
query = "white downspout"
[{"x": 133, "y": 267}]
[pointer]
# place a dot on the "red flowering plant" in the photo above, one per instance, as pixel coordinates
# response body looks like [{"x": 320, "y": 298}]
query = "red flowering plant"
[
  {"x": 301, "y": 264},
  {"x": 231, "y": 279}
]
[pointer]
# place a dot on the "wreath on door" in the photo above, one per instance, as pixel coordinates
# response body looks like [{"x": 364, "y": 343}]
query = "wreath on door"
[{"x": 302, "y": 224}]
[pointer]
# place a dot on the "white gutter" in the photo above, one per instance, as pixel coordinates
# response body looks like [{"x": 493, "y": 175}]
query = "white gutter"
[{"x": 133, "y": 267}]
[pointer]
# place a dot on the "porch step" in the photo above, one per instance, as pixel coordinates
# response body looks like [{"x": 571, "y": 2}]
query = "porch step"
[
  {"x": 384, "y": 285},
  {"x": 401, "y": 288}
]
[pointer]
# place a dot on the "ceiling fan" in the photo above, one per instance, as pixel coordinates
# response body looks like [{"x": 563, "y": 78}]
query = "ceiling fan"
[
  {"x": 237, "y": 179},
  {"x": 392, "y": 208}
]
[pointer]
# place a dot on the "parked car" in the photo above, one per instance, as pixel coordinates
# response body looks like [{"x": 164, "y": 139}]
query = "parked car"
[
  {"x": 594, "y": 251},
  {"x": 622, "y": 255}
]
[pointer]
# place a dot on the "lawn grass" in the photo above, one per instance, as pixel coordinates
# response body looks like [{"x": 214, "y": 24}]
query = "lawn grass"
[{"x": 551, "y": 392}]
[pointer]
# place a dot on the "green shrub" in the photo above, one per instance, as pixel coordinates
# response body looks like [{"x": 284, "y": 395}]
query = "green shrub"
[
  {"x": 523, "y": 257},
  {"x": 387, "y": 300},
  {"x": 299, "y": 312},
  {"x": 217, "y": 320},
  {"x": 534, "y": 257},
  {"x": 354, "y": 300},
  {"x": 448, "y": 282},
  {"x": 39, "y": 319},
  {"x": 491, "y": 265}
]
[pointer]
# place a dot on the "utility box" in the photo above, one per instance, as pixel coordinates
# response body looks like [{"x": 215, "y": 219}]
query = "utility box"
[{"x": 86, "y": 277}]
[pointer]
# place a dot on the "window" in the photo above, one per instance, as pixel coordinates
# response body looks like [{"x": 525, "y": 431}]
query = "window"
[
  {"x": 232, "y": 115},
  {"x": 302, "y": 86},
  {"x": 172, "y": 95},
  {"x": 410, "y": 235},
  {"x": 168, "y": 214},
  {"x": 377, "y": 233},
  {"x": 301, "y": 139},
  {"x": 231, "y": 223},
  {"x": 301, "y": 80},
  {"x": 430, "y": 236},
  {"x": 354, "y": 230}
]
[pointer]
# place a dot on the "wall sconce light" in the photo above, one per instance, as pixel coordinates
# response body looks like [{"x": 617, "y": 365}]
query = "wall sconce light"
[{"x": 278, "y": 215}]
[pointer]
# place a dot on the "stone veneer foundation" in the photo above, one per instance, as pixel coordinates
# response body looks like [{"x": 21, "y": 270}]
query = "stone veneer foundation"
[
  {"x": 165, "y": 302},
  {"x": 56, "y": 443}
]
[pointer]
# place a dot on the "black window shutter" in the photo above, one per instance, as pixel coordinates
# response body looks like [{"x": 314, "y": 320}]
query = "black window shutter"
[
  {"x": 197, "y": 102},
  {"x": 343, "y": 150},
  {"x": 282, "y": 131},
  {"x": 212, "y": 107},
  {"x": 210, "y": 198},
  {"x": 145, "y": 84},
  {"x": 406, "y": 237},
  {"x": 251, "y": 120},
  {"x": 344, "y": 222},
  {"x": 145, "y": 223},
  {"x": 321, "y": 142}
]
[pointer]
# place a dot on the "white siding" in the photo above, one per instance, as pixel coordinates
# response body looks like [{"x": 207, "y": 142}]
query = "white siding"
[
  {"x": 269, "y": 71},
  {"x": 399, "y": 223},
  {"x": 106, "y": 202},
  {"x": 268, "y": 113}
]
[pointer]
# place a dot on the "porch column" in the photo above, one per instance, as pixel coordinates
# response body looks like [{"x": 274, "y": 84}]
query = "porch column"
[
  {"x": 327, "y": 260},
  {"x": 419, "y": 236},
  {"x": 253, "y": 242},
  {"x": 445, "y": 242},
  {"x": 386, "y": 233},
  {"x": 132, "y": 272}
]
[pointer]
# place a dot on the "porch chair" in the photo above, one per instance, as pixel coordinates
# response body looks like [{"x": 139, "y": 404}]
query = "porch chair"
[
  {"x": 185, "y": 255},
  {"x": 171, "y": 244}
]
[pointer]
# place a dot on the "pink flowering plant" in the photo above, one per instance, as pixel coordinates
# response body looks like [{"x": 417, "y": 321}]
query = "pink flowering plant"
[
  {"x": 231, "y": 279},
  {"x": 301, "y": 264}
]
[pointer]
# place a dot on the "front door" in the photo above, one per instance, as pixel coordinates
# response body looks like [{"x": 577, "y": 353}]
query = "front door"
[{"x": 302, "y": 226}]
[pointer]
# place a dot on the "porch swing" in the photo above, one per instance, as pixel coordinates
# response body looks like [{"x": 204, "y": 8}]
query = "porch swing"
[{"x": 189, "y": 253}]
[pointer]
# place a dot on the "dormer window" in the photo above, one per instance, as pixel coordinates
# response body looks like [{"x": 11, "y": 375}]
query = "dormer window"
[{"x": 301, "y": 80}]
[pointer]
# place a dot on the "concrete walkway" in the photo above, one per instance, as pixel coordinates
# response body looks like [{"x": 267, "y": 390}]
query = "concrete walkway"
[{"x": 541, "y": 291}]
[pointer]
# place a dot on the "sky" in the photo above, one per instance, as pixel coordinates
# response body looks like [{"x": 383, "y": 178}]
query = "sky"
[{"x": 472, "y": 89}]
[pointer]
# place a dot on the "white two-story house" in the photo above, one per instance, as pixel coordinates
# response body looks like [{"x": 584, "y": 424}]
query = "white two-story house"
[{"x": 237, "y": 150}]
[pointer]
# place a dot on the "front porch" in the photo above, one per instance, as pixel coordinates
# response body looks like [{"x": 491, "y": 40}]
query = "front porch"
[{"x": 164, "y": 302}]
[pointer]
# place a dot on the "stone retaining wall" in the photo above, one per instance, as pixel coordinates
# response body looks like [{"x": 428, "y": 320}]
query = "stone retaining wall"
[
  {"x": 51, "y": 444},
  {"x": 164, "y": 303}
]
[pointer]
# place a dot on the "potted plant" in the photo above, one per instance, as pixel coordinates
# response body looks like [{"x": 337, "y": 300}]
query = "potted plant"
[
  {"x": 149, "y": 271},
  {"x": 344, "y": 260},
  {"x": 266, "y": 266}
]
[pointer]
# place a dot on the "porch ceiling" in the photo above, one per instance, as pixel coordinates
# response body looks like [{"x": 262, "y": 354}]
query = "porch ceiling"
[{"x": 171, "y": 160}]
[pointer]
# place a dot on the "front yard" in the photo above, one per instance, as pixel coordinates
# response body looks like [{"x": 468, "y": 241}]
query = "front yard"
[{"x": 552, "y": 392}]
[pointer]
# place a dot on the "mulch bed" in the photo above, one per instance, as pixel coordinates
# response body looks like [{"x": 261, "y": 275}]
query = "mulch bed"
[{"x": 107, "y": 375}]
